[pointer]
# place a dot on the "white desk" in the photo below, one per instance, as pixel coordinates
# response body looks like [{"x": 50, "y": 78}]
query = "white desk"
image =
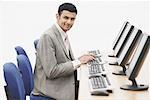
[{"x": 117, "y": 81}]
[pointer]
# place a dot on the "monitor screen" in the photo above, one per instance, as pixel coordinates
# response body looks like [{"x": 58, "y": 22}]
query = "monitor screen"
[
  {"x": 120, "y": 34},
  {"x": 138, "y": 57},
  {"x": 129, "y": 47},
  {"x": 123, "y": 40}
]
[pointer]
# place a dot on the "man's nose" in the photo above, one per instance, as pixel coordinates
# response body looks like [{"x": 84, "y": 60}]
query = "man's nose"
[{"x": 69, "y": 21}]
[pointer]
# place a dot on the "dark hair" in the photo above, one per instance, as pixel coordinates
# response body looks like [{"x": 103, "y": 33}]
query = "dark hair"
[{"x": 67, "y": 6}]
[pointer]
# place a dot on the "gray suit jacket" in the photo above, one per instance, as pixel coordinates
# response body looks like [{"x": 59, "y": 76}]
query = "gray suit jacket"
[{"x": 54, "y": 72}]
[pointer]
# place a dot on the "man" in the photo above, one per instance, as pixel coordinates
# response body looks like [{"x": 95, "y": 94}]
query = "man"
[{"x": 55, "y": 70}]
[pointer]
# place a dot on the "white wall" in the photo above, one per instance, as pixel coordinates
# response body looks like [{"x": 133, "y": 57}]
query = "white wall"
[{"x": 96, "y": 26}]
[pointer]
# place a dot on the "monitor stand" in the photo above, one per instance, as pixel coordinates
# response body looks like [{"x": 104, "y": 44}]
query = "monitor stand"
[
  {"x": 111, "y": 55},
  {"x": 121, "y": 72},
  {"x": 134, "y": 86},
  {"x": 113, "y": 63}
]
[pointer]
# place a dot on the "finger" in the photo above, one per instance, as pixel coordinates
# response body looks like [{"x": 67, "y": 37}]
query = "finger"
[
  {"x": 93, "y": 58},
  {"x": 92, "y": 55}
]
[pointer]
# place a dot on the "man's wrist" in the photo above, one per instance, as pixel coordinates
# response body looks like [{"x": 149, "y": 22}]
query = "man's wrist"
[{"x": 76, "y": 63}]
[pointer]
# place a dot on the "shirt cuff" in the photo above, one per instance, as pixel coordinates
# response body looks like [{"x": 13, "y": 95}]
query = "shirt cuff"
[{"x": 76, "y": 63}]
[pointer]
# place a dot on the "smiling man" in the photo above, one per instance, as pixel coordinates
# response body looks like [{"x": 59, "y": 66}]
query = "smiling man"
[{"x": 55, "y": 76}]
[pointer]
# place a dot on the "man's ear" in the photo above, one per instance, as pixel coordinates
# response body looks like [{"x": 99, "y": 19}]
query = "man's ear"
[{"x": 57, "y": 16}]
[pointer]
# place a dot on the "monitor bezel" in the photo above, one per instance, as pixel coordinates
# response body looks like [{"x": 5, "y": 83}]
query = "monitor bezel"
[
  {"x": 123, "y": 40},
  {"x": 133, "y": 71},
  {"x": 128, "y": 50},
  {"x": 124, "y": 26}
]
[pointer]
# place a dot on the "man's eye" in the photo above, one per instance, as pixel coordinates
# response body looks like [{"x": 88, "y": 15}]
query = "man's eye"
[
  {"x": 72, "y": 18},
  {"x": 65, "y": 17}
]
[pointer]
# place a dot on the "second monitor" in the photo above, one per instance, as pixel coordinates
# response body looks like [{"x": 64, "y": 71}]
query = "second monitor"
[{"x": 128, "y": 50}]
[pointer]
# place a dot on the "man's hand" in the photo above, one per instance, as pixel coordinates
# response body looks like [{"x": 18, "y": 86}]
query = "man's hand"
[{"x": 86, "y": 58}]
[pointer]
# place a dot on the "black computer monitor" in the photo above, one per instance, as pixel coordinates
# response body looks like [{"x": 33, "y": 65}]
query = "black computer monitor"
[
  {"x": 136, "y": 64},
  {"x": 128, "y": 49},
  {"x": 119, "y": 34},
  {"x": 122, "y": 41}
]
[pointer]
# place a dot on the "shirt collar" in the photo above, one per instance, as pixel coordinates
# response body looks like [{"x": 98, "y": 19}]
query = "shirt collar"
[{"x": 63, "y": 34}]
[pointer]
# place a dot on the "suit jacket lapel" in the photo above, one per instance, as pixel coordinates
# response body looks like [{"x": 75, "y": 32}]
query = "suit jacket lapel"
[{"x": 58, "y": 35}]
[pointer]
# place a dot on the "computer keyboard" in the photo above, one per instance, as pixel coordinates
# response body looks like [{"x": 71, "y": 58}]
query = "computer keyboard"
[
  {"x": 95, "y": 69},
  {"x": 97, "y": 60},
  {"x": 95, "y": 52},
  {"x": 100, "y": 85},
  {"x": 98, "y": 82}
]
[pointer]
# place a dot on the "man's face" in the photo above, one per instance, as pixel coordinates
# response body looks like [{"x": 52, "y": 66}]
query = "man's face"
[{"x": 66, "y": 20}]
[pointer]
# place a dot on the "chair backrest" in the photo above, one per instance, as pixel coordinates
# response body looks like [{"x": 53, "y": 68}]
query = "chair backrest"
[
  {"x": 15, "y": 86},
  {"x": 35, "y": 43},
  {"x": 26, "y": 71},
  {"x": 20, "y": 50}
]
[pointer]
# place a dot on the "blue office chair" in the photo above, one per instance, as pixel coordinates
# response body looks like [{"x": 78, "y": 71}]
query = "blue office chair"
[
  {"x": 27, "y": 76},
  {"x": 26, "y": 71},
  {"x": 15, "y": 86},
  {"x": 20, "y": 50},
  {"x": 35, "y": 43}
]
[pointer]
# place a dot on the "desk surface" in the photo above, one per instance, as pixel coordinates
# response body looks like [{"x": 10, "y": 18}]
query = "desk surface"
[{"x": 117, "y": 81}]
